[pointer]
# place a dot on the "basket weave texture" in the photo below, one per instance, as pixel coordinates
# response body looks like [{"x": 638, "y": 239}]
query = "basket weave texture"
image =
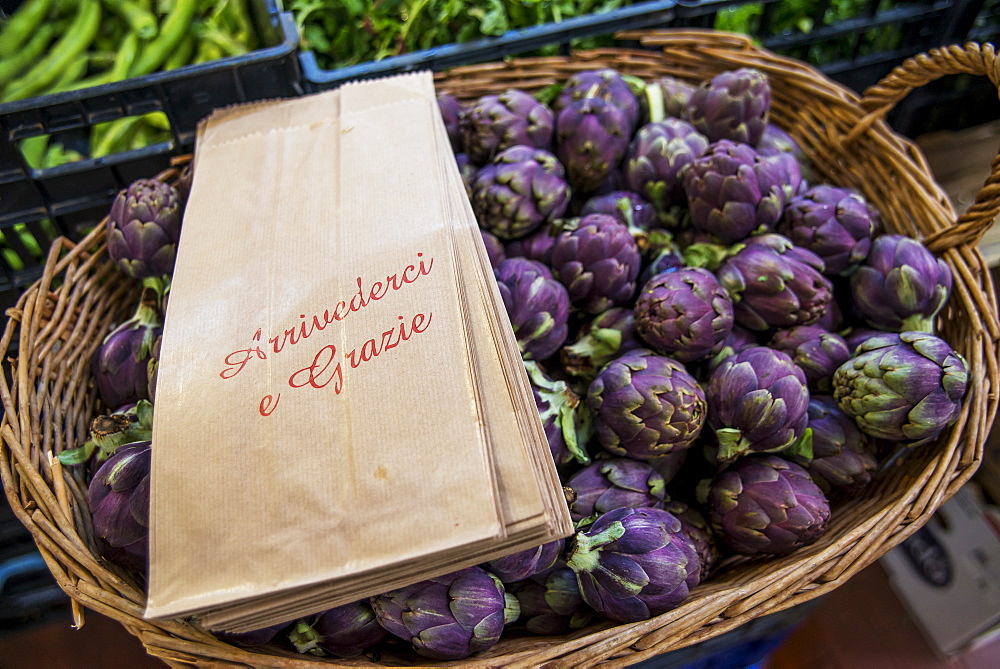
[{"x": 49, "y": 397}]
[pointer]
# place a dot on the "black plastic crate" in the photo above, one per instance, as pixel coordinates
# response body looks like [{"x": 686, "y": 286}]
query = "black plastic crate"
[
  {"x": 38, "y": 205},
  {"x": 855, "y": 42}
]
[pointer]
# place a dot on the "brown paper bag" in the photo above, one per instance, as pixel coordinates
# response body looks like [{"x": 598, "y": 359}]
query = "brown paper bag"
[{"x": 339, "y": 411}]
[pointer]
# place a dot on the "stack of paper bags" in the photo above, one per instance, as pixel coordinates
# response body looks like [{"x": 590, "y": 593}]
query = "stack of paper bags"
[{"x": 341, "y": 406}]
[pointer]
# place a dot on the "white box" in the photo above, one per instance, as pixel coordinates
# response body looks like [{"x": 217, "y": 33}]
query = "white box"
[{"x": 948, "y": 575}]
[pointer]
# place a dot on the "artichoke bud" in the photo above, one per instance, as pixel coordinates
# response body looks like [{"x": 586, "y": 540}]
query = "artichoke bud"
[{"x": 306, "y": 639}]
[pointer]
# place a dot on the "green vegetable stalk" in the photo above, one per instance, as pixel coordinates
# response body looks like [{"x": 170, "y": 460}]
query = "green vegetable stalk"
[{"x": 25, "y": 23}]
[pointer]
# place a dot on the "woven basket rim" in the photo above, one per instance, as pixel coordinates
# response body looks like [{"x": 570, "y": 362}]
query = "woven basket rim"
[{"x": 47, "y": 500}]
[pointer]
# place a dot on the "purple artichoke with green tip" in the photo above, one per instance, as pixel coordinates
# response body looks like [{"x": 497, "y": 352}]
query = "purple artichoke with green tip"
[
  {"x": 698, "y": 530},
  {"x": 565, "y": 417},
  {"x": 451, "y": 113},
  {"x": 684, "y": 313},
  {"x": 775, "y": 141},
  {"x": 633, "y": 564},
  {"x": 646, "y": 405},
  {"x": 343, "y": 631},
  {"x": 448, "y": 617},
  {"x": 497, "y": 122},
  {"x": 665, "y": 97},
  {"x": 551, "y": 603},
  {"x": 607, "y": 85},
  {"x": 121, "y": 364},
  {"x": 766, "y": 505},
  {"x": 468, "y": 172},
  {"x": 634, "y": 213},
  {"x": 598, "y": 261},
  {"x": 733, "y": 192},
  {"x": 857, "y": 336},
  {"x": 521, "y": 190},
  {"x": 903, "y": 387},
  {"x": 843, "y": 458},
  {"x": 656, "y": 159},
  {"x": 591, "y": 138},
  {"x": 665, "y": 260},
  {"x": 613, "y": 484},
  {"x": 536, "y": 246},
  {"x": 738, "y": 340},
  {"x": 537, "y": 304},
  {"x": 901, "y": 285},
  {"x": 525, "y": 564},
  {"x": 817, "y": 352},
  {"x": 119, "y": 506},
  {"x": 775, "y": 284},
  {"x": 602, "y": 339},
  {"x": 143, "y": 229},
  {"x": 494, "y": 249},
  {"x": 732, "y": 105},
  {"x": 757, "y": 403},
  {"x": 834, "y": 223}
]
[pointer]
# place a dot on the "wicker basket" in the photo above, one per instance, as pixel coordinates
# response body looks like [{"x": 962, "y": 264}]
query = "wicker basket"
[{"x": 49, "y": 397}]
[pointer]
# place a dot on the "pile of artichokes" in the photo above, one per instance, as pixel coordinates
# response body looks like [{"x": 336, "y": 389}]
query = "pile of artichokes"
[{"x": 721, "y": 347}]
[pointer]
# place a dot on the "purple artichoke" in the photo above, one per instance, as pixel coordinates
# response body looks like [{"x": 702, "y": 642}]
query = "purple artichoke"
[
  {"x": 451, "y": 113},
  {"x": 646, "y": 405},
  {"x": 551, "y": 603},
  {"x": 537, "y": 304},
  {"x": 468, "y": 172},
  {"x": 904, "y": 387},
  {"x": 608, "y": 85},
  {"x": 664, "y": 261},
  {"x": 632, "y": 564},
  {"x": 494, "y": 249},
  {"x": 843, "y": 458},
  {"x": 764, "y": 504},
  {"x": 684, "y": 313},
  {"x": 834, "y": 223},
  {"x": 521, "y": 190},
  {"x": 446, "y": 618},
  {"x": 901, "y": 285},
  {"x": 121, "y": 365},
  {"x": 591, "y": 138},
  {"x": 665, "y": 97},
  {"x": 776, "y": 141},
  {"x": 119, "y": 505},
  {"x": 602, "y": 339},
  {"x": 857, "y": 336},
  {"x": 497, "y": 122},
  {"x": 734, "y": 192},
  {"x": 698, "y": 530},
  {"x": 732, "y": 105},
  {"x": 536, "y": 246},
  {"x": 613, "y": 484},
  {"x": 757, "y": 403},
  {"x": 598, "y": 262},
  {"x": 634, "y": 213},
  {"x": 817, "y": 352},
  {"x": 143, "y": 229},
  {"x": 565, "y": 418},
  {"x": 656, "y": 159},
  {"x": 738, "y": 340},
  {"x": 668, "y": 465},
  {"x": 344, "y": 631},
  {"x": 527, "y": 563},
  {"x": 775, "y": 284}
]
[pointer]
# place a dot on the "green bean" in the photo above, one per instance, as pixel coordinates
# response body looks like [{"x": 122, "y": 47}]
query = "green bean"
[
  {"x": 142, "y": 21},
  {"x": 227, "y": 45},
  {"x": 182, "y": 55},
  {"x": 69, "y": 47},
  {"x": 33, "y": 149},
  {"x": 22, "y": 25},
  {"x": 119, "y": 68},
  {"x": 117, "y": 138},
  {"x": 171, "y": 35},
  {"x": 69, "y": 77},
  {"x": 207, "y": 50},
  {"x": 239, "y": 19},
  {"x": 32, "y": 51}
]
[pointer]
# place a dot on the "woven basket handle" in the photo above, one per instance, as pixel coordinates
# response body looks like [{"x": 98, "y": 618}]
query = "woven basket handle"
[{"x": 971, "y": 58}]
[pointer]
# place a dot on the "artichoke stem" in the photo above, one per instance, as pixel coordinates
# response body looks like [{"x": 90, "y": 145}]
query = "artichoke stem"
[
  {"x": 918, "y": 322},
  {"x": 306, "y": 639},
  {"x": 731, "y": 444}
]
